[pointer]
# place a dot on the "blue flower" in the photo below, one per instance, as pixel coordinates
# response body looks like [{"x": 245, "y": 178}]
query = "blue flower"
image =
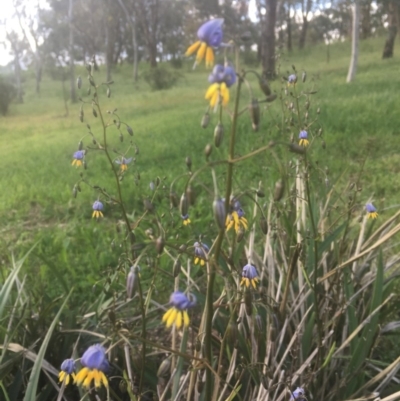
[
  {"x": 200, "y": 253},
  {"x": 297, "y": 394},
  {"x": 236, "y": 217},
  {"x": 186, "y": 220},
  {"x": 371, "y": 211},
  {"x": 123, "y": 163},
  {"x": 67, "y": 371},
  {"x": 221, "y": 79},
  {"x": 97, "y": 209},
  {"x": 78, "y": 157},
  {"x": 210, "y": 36},
  {"x": 95, "y": 363},
  {"x": 249, "y": 276},
  {"x": 177, "y": 315},
  {"x": 292, "y": 79},
  {"x": 303, "y": 136}
]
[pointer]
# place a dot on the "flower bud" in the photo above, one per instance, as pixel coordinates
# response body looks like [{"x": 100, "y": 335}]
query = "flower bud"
[
  {"x": 129, "y": 129},
  {"x": 81, "y": 114},
  {"x": 177, "y": 268},
  {"x": 189, "y": 163},
  {"x": 108, "y": 92},
  {"x": 164, "y": 368},
  {"x": 232, "y": 334},
  {"x": 264, "y": 225},
  {"x": 323, "y": 144},
  {"x": 191, "y": 196},
  {"x": 160, "y": 245},
  {"x": 208, "y": 150},
  {"x": 94, "y": 112},
  {"x": 218, "y": 135},
  {"x": 318, "y": 110},
  {"x": 307, "y": 105},
  {"x": 205, "y": 120},
  {"x": 262, "y": 82},
  {"x": 279, "y": 190},
  {"x": 304, "y": 76},
  {"x": 240, "y": 234},
  {"x": 184, "y": 205},
  {"x": 131, "y": 282},
  {"x": 219, "y": 213},
  {"x": 75, "y": 191},
  {"x": 248, "y": 301},
  {"x": 295, "y": 148},
  {"x": 254, "y": 109},
  {"x": 79, "y": 82}
]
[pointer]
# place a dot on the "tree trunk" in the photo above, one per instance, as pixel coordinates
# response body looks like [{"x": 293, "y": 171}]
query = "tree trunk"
[
  {"x": 17, "y": 72},
  {"x": 366, "y": 19},
  {"x": 304, "y": 28},
  {"x": 131, "y": 20},
  {"x": 392, "y": 29},
  {"x": 71, "y": 53},
  {"x": 354, "y": 42},
  {"x": 289, "y": 30},
  {"x": 268, "y": 40}
]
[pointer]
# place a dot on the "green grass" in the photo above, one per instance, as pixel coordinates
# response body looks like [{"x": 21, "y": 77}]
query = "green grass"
[{"x": 359, "y": 121}]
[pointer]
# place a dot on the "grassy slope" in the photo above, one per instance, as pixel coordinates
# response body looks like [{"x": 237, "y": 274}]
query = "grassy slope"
[{"x": 37, "y": 142}]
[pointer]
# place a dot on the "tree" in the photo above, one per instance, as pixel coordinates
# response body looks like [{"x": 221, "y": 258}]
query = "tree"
[
  {"x": 268, "y": 22},
  {"x": 393, "y": 22},
  {"x": 354, "y": 42},
  {"x": 305, "y": 11}
]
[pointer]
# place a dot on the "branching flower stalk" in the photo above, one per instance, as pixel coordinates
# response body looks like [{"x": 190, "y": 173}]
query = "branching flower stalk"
[{"x": 131, "y": 237}]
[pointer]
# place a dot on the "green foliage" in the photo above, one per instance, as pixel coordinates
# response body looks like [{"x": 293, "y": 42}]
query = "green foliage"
[
  {"x": 7, "y": 94},
  {"x": 161, "y": 77}
]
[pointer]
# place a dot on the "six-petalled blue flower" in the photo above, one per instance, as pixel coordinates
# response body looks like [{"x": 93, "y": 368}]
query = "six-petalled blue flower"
[
  {"x": 221, "y": 79},
  {"x": 177, "y": 315},
  {"x": 95, "y": 364},
  {"x": 210, "y": 36},
  {"x": 123, "y": 162}
]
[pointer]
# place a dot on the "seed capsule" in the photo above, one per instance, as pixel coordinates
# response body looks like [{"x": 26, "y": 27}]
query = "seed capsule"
[
  {"x": 177, "y": 268},
  {"x": 208, "y": 150},
  {"x": 219, "y": 213},
  {"x": 304, "y": 76},
  {"x": 173, "y": 199},
  {"x": 254, "y": 109},
  {"x": 205, "y": 120},
  {"x": 279, "y": 190},
  {"x": 131, "y": 282},
  {"x": 184, "y": 205},
  {"x": 218, "y": 135},
  {"x": 94, "y": 112},
  {"x": 129, "y": 129},
  {"x": 264, "y": 225},
  {"x": 164, "y": 368},
  {"x": 191, "y": 196},
  {"x": 160, "y": 245},
  {"x": 188, "y": 161}
]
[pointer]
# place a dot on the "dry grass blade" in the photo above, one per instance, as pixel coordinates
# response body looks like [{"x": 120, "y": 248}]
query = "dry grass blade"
[{"x": 17, "y": 348}]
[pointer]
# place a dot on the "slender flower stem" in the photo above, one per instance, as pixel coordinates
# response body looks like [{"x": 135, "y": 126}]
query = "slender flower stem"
[
  {"x": 214, "y": 261},
  {"x": 129, "y": 232}
]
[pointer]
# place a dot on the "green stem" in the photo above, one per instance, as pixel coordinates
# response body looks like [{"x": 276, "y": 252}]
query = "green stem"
[
  {"x": 129, "y": 231},
  {"x": 214, "y": 261}
]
